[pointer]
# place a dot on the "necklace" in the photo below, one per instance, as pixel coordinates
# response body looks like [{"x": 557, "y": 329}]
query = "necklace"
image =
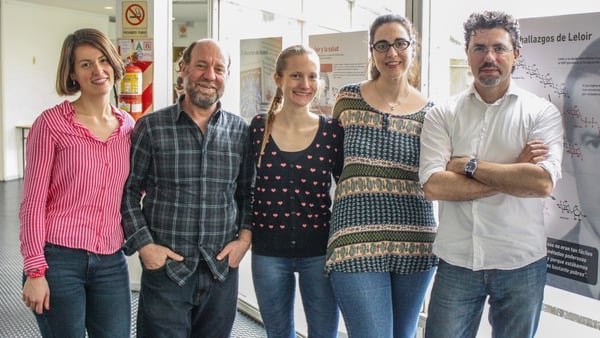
[{"x": 386, "y": 102}]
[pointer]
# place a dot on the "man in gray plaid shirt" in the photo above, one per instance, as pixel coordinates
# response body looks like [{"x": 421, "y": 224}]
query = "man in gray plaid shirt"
[{"x": 186, "y": 205}]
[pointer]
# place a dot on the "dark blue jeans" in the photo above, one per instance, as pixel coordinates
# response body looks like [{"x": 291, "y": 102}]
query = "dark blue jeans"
[
  {"x": 380, "y": 304},
  {"x": 275, "y": 285},
  {"x": 202, "y": 307},
  {"x": 458, "y": 296},
  {"x": 86, "y": 291}
]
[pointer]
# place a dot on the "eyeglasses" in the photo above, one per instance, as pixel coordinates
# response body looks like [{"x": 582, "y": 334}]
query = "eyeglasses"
[
  {"x": 498, "y": 50},
  {"x": 383, "y": 46}
]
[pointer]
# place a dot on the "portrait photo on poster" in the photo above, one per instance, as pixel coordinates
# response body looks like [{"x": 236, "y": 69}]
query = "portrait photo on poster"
[{"x": 562, "y": 64}]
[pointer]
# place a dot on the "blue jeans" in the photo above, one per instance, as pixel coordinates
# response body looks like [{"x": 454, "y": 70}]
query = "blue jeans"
[
  {"x": 86, "y": 291},
  {"x": 202, "y": 307},
  {"x": 458, "y": 296},
  {"x": 275, "y": 285},
  {"x": 380, "y": 304}
]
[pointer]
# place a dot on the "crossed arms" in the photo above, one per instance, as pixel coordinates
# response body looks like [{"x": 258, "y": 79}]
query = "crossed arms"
[{"x": 522, "y": 179}]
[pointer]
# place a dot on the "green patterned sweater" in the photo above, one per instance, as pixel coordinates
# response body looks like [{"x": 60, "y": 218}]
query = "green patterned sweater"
[{"x": 381, "y": 221}]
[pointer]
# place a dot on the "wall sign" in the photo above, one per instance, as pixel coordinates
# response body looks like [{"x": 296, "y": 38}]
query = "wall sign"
[{"x": 135, "y": 19}]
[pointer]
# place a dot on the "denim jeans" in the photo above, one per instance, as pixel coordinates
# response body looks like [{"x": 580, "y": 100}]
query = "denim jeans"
[
  {"x": 275, "y": 285},
  {"x": 380, "y": 304},
  {"x": 202, "y": 307},
  {"x": 86, "y": 291},
  {"x": 458, "y": 296}
]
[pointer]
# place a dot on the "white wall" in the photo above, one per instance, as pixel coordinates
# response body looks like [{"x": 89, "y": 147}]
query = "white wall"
[
  {"x": 1, "y": 98},
  {"x": 30, "y": 52}
]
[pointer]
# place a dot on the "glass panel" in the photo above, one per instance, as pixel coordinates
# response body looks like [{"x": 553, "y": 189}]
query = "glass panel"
[
  {"x": 259, "y": 23},
  {"x": 190, "y": 23},
  {"x": 321, "y": 19},
  {"x": 293, "y": 21},
  {"x": 447, "y": 55}
]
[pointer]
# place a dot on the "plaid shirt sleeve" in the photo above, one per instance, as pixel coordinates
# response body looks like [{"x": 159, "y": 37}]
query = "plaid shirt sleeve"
[
  {"x": 244, "y": 187},
  {"x": 134, "y": 223}
]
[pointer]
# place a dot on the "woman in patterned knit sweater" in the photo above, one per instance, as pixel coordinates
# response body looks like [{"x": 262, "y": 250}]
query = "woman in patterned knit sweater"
[
  {"x": 379, "y": 253},
  {"x": 296, "y": 153}
]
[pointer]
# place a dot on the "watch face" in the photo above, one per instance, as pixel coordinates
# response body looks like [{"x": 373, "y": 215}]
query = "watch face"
[{"x": 470, "y": 167}]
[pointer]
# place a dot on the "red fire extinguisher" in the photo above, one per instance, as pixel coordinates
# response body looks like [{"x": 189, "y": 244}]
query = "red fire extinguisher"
[{"x": 130, "y": 96}]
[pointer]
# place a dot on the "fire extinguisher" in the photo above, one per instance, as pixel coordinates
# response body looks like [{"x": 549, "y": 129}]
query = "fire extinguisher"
[{"x": 130, "y": 97}]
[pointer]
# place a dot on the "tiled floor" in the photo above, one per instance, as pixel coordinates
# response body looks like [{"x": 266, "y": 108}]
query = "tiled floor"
[{"x": 16, "y": 321}]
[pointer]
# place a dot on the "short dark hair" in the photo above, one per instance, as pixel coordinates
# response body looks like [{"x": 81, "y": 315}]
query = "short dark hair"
[
  {"x": 489, "y": 20},
  {"x": 66, "y": 65}
]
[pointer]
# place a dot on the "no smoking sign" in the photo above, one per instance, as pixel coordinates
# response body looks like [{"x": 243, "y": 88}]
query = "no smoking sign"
[
  {"x": 135, "y": 14},
  {"x": 135, "y": 22}
]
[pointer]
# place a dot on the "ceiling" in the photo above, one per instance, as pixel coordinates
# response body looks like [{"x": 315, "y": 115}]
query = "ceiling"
[{"x": 183, "y": 10}]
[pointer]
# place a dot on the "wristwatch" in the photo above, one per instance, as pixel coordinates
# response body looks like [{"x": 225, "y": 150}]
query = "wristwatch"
[{"x": 470, "y": 167}]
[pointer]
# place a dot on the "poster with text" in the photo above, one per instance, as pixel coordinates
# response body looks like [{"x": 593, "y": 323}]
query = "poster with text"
[
  {"x": 344, "y": 59},
  {"x": 560, "y": 61},
  {"x": 257, "y": 86}
]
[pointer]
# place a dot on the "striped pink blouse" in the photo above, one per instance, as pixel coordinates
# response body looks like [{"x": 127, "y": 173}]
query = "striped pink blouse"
[{"x": 73, "y": 186}]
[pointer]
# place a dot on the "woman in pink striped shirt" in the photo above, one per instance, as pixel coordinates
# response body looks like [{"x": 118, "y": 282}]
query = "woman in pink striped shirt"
[{"x": 75, "y": 273}]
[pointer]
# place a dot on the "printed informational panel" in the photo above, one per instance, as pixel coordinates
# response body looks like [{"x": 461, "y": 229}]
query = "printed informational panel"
[
  {"x": 344, "y": 59},
  {"x": 257, "y": 85},
  {"x": 560, "y": 60}
]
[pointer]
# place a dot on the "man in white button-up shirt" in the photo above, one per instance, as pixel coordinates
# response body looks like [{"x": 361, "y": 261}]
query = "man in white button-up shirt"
[{"x": 490, "y": 155}]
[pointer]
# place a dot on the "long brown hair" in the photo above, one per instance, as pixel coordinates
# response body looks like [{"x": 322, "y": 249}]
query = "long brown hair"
[
  {"x": 413, "y": 72},
  {"x": 277, "y": 101}
]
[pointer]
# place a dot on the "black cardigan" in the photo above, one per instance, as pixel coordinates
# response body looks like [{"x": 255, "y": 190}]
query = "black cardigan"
[{"x": 291, "y": 201}]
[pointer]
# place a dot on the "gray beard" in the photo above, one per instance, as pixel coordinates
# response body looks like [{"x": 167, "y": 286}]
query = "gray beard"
[
  {"x": 203, "y": 101},
  {"x": 489, "y": 82}
]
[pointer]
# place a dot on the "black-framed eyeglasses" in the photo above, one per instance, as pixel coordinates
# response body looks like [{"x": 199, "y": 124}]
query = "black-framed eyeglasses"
[{"x": 383, "y": 46}]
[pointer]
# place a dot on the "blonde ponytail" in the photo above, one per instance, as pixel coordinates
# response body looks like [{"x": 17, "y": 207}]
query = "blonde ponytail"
[{"x": 275, "y": 106}]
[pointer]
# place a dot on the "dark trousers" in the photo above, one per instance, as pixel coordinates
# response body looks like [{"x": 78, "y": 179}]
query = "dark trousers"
[{"x": 202, "y": 307}]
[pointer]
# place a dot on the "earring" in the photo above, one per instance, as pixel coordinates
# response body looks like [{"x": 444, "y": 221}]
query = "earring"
[{"x": 75, "y": 84}]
